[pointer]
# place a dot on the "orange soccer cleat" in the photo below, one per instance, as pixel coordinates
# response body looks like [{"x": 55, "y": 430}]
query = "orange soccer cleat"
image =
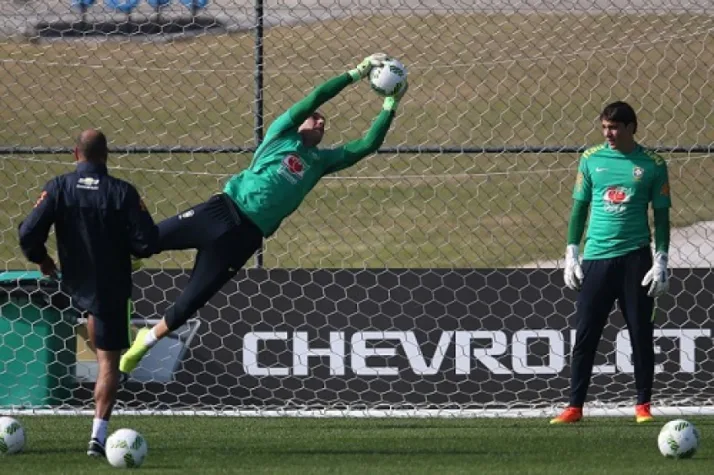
[
  {"x": 643, "y": 413},
  {"x": 569, "y": 416}
]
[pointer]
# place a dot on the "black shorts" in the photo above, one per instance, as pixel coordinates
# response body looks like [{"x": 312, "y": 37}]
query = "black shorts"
[
  {"x": 203, "y": 225},
  {"x": 225, "y": 239},
  {"x": 112, "y": 332}
]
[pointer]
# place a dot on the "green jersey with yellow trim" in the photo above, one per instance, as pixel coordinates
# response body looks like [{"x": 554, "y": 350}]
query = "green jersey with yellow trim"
[
  {"x": 284, "y": 170},
  {"x": 619, "y": 188},
  {"x": 282, "y": 173}
]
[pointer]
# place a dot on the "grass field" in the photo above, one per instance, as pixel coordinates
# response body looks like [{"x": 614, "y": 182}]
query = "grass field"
[
  {"x": 476, "y": 80},
  {"x": 249, "y": 445}
]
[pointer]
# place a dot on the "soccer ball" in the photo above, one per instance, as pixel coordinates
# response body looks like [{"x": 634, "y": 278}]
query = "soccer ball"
[
  {"x": 389, "y": 78},
  {"x": 12, "y": 436},
  {"x": 126, "y": 448},
  {"x": 678, "y": 439}
]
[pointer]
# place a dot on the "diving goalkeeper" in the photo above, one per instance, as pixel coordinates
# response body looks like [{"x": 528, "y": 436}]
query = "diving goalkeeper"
[{"x": 230, "y": 227}]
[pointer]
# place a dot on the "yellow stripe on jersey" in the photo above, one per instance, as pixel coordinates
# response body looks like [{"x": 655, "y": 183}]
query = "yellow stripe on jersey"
[
  {"x": 593, "y": 150},
  {"x": 654, "y": 156}
]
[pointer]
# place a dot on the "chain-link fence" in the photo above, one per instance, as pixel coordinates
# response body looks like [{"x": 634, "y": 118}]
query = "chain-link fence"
[
  {"x": 477, "y": 168},
  {"x": 476, "y": 174}
]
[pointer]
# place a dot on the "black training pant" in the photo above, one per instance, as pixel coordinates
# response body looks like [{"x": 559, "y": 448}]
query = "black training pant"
[
  {"x": 225, "y": 240},
  {"x": 606, "y": 281}
]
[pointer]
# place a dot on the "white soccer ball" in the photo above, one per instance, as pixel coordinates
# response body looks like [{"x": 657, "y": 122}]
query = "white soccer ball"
[
  {"x": 389, "y": 78},
  {"x": 126, "y": 448},
  {"x": 678, "y": 439},
  {"x": 12, "y": 436}
]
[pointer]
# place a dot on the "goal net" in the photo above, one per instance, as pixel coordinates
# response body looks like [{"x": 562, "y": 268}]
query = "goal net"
[{"x": 424, "y": 280}]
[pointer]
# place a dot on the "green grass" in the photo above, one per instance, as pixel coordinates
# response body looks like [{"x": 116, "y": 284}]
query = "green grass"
[
  {"x": 476, "y": 79},
  {"x": 250, "y": 445}
]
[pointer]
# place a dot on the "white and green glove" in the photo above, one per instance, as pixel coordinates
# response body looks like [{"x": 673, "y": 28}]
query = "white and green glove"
[
  {"x": 657, "y": 278},
  {"x": 362, "y": 70},
  {"x": 573, "y": 273},
  {"x": 391, "y": 102}
]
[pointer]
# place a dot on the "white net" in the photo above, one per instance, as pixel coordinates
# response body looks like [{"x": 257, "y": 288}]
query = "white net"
[{"x": 426, "y": 277}]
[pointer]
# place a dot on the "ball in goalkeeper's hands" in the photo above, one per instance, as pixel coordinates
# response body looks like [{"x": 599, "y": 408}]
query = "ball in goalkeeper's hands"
[{"x": 388, "y": 78}]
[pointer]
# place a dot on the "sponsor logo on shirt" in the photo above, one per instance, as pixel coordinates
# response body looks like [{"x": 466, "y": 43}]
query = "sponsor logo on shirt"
[
  {"x": 88, "y": 183},
  {"x": 616, "y": 198},
  {"x": 293, "y": 168}
]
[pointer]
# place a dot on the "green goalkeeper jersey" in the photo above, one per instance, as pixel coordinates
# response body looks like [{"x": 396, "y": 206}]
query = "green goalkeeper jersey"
[
  {"x": 283, "y": 170},
  {"x": 619, "y": 188}
]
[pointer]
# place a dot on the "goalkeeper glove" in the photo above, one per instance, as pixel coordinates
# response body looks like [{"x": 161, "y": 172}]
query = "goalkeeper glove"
[
  {"x": 136, "y": 264},
  {"x": 391, "y": 102},
  {"x": 573, "y": 274},
  {"x": 657, "y": 277},
  {"x": 362, "y": 70}
]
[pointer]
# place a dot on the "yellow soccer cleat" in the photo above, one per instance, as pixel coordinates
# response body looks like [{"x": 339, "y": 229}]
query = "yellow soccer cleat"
[
  {"x": 569, "y": 416},
  {"x": 130, "y": 360},
  {"x": 643, "y": 413}
]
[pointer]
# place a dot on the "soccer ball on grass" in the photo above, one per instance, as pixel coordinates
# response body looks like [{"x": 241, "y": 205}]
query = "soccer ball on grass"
[
  {"x": 12, "y": 436},
  {"x": 389, "y": 78},
  {"x": 678, "y": 439},
  {"x": 126, "y": 448}
]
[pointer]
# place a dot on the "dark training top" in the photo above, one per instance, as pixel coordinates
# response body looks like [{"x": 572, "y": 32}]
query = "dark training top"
[{"x": 100, "y": 221}]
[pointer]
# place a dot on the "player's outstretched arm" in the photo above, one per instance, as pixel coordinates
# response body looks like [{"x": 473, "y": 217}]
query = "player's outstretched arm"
[
  {"x": 332, "y": 87},
  {"x": 354, "y": 151},
  {"x": 300, "y": 111}
]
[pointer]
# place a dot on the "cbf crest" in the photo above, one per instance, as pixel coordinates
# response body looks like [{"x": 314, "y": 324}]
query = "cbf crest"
[{"x": 637, "y": 173}]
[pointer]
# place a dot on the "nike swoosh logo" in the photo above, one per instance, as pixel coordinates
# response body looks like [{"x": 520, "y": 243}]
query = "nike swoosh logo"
[{"x": 598, "y": 169}]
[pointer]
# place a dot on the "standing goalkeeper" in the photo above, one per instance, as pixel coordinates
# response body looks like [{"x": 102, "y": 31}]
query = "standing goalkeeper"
[
  {"x": 230, "y": 227},
  {"x": 617, "y": 180}
]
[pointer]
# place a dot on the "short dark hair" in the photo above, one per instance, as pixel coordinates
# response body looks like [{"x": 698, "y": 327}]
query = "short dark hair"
[
  {"x": 620, "y": 112},
  {"x": 92, "y": 145}
]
